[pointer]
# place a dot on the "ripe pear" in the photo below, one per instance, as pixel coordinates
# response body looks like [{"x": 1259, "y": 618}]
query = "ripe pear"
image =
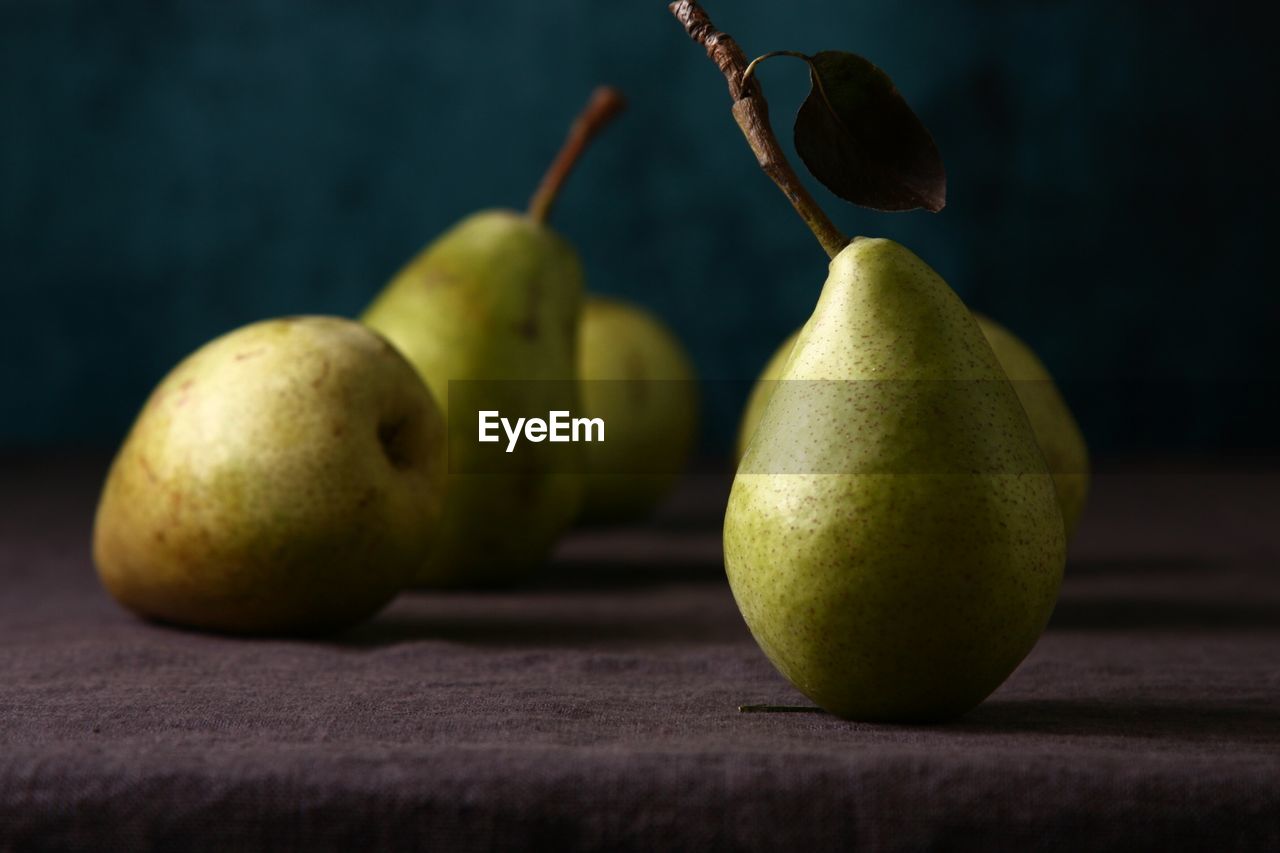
[
  {"x": 761, "y": 392},
  {"x": 284, "y": 478},
  {"x": 495, "y": 298},
  {"x": 892, "y": 537},
  {"x": 638, "y": 379},
  {"x": 489, "y": 311},
  {"x": 1055, "y": 427}
]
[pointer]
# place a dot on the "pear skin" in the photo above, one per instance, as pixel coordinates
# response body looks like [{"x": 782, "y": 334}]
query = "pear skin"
[
  {"x": 1056, "y": 429},
  {"x": 285, "y": 478},
  {"x": 895, "y": 545},
  {"x": 637, "y": 378},
  {"x": 497, "y": 297},
  {"x": 761, "y": 391}
]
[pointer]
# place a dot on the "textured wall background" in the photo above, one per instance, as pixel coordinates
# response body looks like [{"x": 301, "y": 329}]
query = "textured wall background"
[{"x": 170, "y": 170}]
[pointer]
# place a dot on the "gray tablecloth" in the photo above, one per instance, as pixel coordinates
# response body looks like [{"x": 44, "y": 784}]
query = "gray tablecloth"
[{"x": 598, "y": 708}]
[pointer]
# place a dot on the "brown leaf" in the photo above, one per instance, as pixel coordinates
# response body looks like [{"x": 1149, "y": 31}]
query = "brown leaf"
[{"x": 859, "y": 137}]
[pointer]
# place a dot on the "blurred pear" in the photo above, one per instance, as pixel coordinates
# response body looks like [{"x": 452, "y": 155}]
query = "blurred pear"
[{"x": 637, "y": 378}]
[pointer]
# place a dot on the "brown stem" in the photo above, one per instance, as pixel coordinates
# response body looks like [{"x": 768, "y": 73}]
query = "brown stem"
[
  {"x": 606, "y": 102},
  {"x": 752, "y": 114}
]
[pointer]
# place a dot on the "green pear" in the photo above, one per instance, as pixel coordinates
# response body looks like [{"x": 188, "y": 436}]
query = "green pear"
[
  {"x": 284, "y": 478},
  {"x": 760, "y": 394},
  {"x": 1055, "y": 427},
  {"x": 495, "y": 298},
  {"x": 638, "y": 379},
  {"x": 490, "y": 311},
  {"x": 893, "y": 538}
]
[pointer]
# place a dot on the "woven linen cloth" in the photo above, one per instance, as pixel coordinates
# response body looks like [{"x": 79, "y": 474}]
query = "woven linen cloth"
[{"x": 597, "y": 708}]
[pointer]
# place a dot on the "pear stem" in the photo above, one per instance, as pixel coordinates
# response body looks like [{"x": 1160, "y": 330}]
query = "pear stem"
[
  {"x": 795, "y": 54},
  {"x": 751, "y": 111},
  {"x": 605, "y": 103}
]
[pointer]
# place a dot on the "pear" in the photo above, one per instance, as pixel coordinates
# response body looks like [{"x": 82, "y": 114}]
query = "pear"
[
  {"x": 284, "y": 478},
  {"x": 761, "y": 393},
  {"x": 893, "y": 538},
  {"x": 491, "y": 309},
  {"x": 489, "y": 312},
  {"x": 1055, "y": 427},
  {"x": 638, "y": 379}
]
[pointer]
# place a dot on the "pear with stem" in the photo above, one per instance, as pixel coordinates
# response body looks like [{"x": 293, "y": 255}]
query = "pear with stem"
[
  {"x": 488, "y": 313},
  {"x": 892, "y": 537}
]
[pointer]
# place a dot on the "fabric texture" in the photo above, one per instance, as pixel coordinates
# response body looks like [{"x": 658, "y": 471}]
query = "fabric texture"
[{"x": 598, "y": 707}]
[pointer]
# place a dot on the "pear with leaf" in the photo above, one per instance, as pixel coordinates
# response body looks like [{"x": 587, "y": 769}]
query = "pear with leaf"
[
  {"x": 892, "y": 536},
  {"x": 488, "y": 314}
]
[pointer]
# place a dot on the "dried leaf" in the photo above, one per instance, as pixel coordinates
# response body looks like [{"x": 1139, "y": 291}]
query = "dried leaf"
[{"x": 859, "y": 137}]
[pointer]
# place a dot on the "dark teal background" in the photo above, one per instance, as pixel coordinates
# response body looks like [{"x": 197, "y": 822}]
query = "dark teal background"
[{"x": 169, "y": 171}]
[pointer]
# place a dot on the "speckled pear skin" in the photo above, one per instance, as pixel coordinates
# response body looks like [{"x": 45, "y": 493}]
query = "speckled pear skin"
[
  {"x": 895, "y": 547},
  {"x": 1055, "y": 427},
  {"x": 286, "y": 478},
  {"x": 1056, "y": 430},
  {"x": 761, "y": 391},
  {"x": 497, "y": 297},
  {"x": 638, "y": 378}
]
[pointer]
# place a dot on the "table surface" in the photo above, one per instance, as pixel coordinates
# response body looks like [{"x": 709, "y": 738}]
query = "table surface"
[{"x": 598, "y": 708}]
